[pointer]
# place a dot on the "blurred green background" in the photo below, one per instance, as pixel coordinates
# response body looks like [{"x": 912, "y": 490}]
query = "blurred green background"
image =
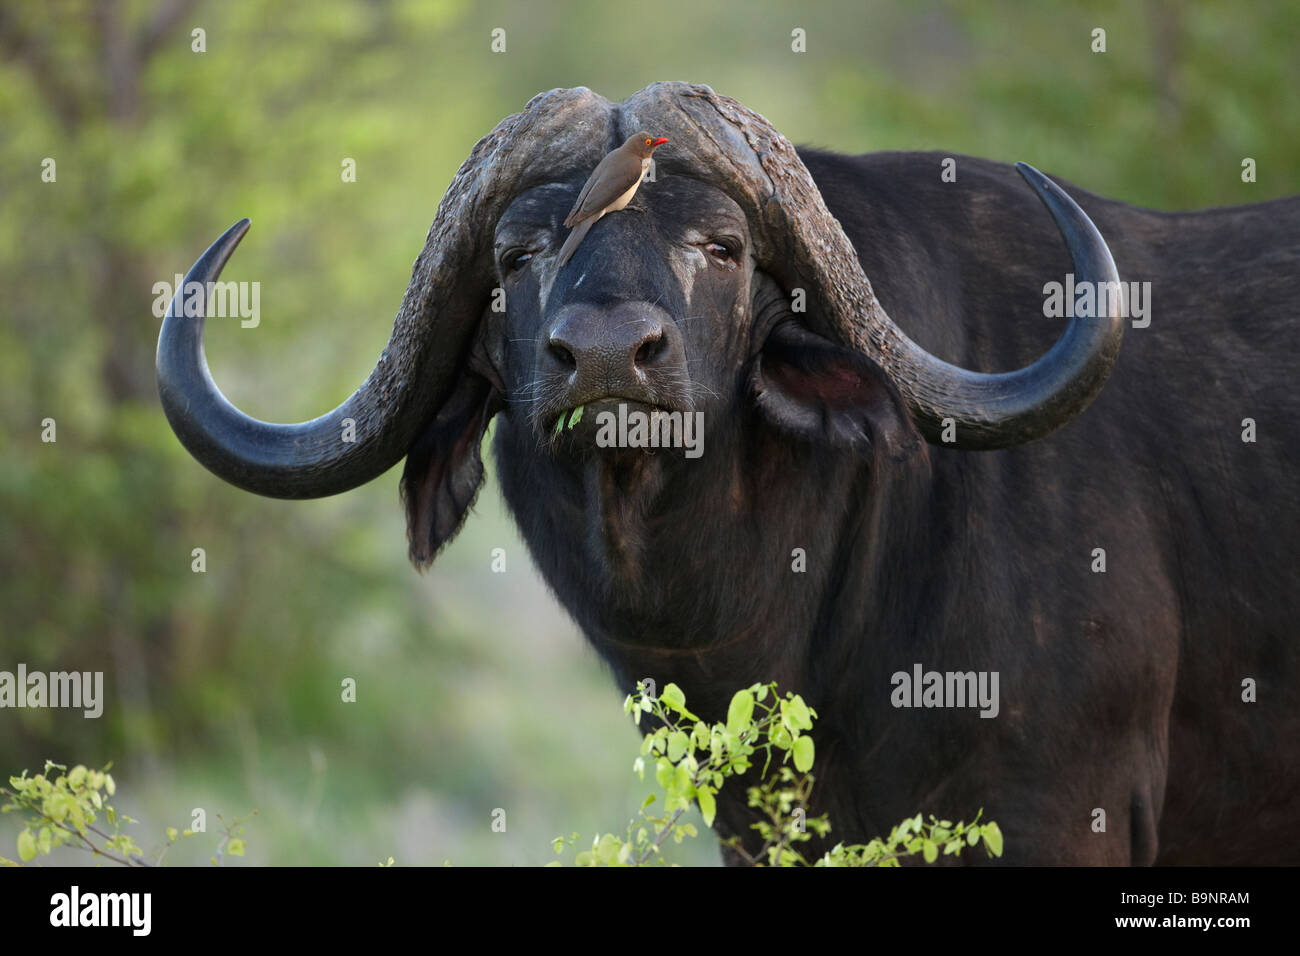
[{"x": 474, "y": 691}]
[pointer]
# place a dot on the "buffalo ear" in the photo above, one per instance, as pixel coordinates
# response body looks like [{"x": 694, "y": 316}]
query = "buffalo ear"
[
  {"x": 444, "y": 468},
  {"x": 821, "y": 391}
]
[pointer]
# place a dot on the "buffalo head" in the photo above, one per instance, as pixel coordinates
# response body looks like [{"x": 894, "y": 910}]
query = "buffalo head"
[{"x": 726, "y": 288}]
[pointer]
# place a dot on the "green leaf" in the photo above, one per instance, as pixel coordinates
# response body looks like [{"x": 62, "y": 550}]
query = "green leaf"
[
  {"x": 607, "y": 849},
  {"x": 577, "y": 416},
  {"x": 993, "y": 838},
  {"x": 673, "y": 697},
  {"x": 677, "y": 744},
  {"x": 797, "y": 712},
  {"x": 26, "y": 846},
  {"x": 236, "y": 847},
  {"x": 172, "y": 833},
  {"x": 56, "y": 808},
  {"x": 931, "y": 850},
  {"x": 803, "y": 754},
  {"x": 664, "y": 773},
  {"x": 740, "y": 712},
  {"x": 708, "y": 807}
]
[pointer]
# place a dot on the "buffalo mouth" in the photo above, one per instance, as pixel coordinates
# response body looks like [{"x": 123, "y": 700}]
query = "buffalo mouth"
[{"x": 589, "y": 427}]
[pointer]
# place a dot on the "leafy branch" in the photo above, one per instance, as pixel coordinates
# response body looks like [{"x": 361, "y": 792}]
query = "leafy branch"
[
  {"x": 63, "y": 809},
  {"x": 693, "y": 760}
]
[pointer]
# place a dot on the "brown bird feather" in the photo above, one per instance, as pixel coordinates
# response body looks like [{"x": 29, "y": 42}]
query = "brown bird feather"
[{"x": 609, "y": 188}]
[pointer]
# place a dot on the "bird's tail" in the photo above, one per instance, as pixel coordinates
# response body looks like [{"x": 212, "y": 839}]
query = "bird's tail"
[{"x": 575, "y": 237}]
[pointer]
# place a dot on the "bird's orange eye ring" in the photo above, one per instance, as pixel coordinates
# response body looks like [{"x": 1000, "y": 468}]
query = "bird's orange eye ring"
[{"x": 647, "y": 142}]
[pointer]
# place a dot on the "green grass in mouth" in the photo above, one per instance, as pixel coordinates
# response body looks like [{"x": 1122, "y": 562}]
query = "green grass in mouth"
[{"x": 574, "y": 417}]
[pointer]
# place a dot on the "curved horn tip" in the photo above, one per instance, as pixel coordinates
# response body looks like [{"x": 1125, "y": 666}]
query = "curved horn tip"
[
  {"x": 1037, "y": 180},
  {"x": 216, "y": 256},
  {"x": 236, "y": 232}
]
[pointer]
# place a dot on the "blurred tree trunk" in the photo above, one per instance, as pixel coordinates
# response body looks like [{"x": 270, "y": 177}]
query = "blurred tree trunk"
[{"x": 110, "y": 93}]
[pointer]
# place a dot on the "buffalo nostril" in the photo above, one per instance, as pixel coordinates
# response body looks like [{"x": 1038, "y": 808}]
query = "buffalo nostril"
[
  {"x": 651, "y": 349},
  {"x": 560, "y": 352}
]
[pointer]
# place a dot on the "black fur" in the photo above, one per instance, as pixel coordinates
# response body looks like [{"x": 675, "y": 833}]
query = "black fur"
[{"x": 1119, "y": 690}]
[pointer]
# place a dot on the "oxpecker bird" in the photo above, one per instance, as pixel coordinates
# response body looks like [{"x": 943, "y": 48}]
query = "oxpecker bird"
[{"x": 610, "y": 187}]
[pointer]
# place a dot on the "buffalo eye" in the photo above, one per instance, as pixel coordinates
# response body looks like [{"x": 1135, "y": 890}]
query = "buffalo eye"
[
  {"x": 720, "y": 252},
  {"x": 515, "y": 259}
]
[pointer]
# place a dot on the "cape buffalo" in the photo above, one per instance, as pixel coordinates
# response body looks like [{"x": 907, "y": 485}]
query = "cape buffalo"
[{"x": 1118, "y": 602}]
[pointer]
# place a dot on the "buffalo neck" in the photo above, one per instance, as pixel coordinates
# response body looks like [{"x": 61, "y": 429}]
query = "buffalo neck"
[{"x": 765, "y": 559}]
